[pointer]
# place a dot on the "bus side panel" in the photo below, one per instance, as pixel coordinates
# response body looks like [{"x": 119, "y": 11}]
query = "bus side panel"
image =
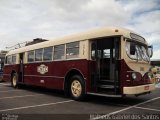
[
  {"x": 52, "y": 74},
  {"x": 7, "y": 70},
  {"x": 61, "y": 68},
  {"x": 33, "y": 77}
]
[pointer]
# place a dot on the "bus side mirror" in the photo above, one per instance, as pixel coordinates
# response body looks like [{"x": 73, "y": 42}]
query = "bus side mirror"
[
  {"x": 150, "y": 51},
  {"x": 132, "y": 49}
]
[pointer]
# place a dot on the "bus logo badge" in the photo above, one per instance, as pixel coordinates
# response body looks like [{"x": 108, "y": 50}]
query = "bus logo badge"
[{"x": 42, "y": 69}]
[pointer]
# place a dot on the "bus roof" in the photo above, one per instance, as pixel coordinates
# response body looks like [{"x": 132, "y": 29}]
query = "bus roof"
[{"x": 96, "y": 33}]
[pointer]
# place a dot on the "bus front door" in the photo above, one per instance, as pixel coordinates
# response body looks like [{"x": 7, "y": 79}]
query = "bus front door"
[{"x": 106, "y": 56}]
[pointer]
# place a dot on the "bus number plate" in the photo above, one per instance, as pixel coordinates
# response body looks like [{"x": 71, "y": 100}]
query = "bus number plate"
[{"x": 146, "y": 87}]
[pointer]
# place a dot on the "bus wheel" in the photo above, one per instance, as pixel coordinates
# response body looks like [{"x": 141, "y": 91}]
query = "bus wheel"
[
  {"x": 77, "y": 88},
  {"x": 14, "y": 81}
]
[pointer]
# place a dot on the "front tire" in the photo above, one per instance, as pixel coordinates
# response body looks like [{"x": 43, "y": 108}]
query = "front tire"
[
  {"x": 14, "y": 80},
  {"x": 77, "y": 87}
]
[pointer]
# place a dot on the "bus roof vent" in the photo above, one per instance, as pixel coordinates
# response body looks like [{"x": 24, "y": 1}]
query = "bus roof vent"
[{"x": 35, "y": 41}]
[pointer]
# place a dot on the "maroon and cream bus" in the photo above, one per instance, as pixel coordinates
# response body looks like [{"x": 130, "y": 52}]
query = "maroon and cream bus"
[{"x": 106, "y": 61}]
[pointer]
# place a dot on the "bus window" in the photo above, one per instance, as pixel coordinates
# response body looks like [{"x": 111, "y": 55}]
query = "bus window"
[
  {"x": 59, "y": 51},
  {"x": 9, "y": 59},
  {"x": 47, "y": 54},
  {"x": 129, "y": 51},
  {"x": 72, "y": 50},
  {"x": 38, "y": 54},
  {"x": 14, "y": 59},
  {"x": 31, "y": 56}
]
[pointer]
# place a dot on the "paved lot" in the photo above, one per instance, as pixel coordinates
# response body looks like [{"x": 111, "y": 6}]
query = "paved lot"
[{"x": 31, "y": 103}]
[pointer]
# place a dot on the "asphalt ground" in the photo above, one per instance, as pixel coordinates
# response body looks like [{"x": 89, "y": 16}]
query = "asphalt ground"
[{"x": 34, "y": 103}]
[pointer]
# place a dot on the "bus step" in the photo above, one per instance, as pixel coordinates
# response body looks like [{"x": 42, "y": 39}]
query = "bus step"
[
  {"x": 107, "y": 82},
  {"x": 105, "y": 94},
  {"x": 108, "y": 89},
  {"x": 106, "y": 86}
]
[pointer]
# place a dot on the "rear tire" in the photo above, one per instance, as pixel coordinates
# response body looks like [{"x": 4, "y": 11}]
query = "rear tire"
[
  {"x": 77, "y": 87},
  {"x": 14, "y": 80}
]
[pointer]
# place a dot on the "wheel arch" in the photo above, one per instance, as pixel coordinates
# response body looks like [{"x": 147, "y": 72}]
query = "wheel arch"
[
  {"x": 67, "y": 77},
  {"x": 12, "y": 72}
]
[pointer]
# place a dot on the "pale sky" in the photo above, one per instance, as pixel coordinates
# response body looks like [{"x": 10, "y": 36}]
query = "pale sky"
[{"x": 25, "y": 20}]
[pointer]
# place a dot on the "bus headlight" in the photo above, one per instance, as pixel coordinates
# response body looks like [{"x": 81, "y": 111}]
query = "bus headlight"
[{"x": 134, "y": 76}]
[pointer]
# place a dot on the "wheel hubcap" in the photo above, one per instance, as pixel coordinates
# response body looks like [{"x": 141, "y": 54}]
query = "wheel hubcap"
[{"x": 76, "y": 88}]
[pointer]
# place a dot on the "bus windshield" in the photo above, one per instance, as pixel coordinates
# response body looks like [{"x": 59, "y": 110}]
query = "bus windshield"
[{"x": 140, "y": 52}]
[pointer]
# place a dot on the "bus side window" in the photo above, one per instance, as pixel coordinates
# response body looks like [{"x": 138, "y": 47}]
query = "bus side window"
[
  {"x": 14, "y": 59},
  {"x": 72, "y": 50},
  {"x": 31, "y": 56},
  {"x": 59, "y": 52},
  {"x": 9, "y": 59},
  {"x": 47, "y": 54},
  {"x": 38, "y": 54}
]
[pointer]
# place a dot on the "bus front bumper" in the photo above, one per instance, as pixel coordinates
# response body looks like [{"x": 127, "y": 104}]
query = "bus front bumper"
[{"x": 138, "y": 89}]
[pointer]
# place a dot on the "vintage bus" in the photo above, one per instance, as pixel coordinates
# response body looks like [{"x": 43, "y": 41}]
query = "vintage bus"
[{"x": 106, "y": 61}]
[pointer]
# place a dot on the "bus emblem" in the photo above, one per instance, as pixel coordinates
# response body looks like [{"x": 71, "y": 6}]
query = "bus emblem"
[{"x": 42, "y": 69}]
